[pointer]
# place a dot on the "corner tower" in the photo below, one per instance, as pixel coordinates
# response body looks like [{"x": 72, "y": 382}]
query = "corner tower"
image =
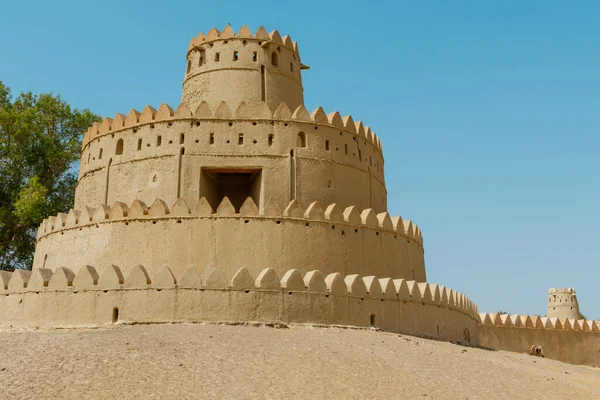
[
  {"x": 242, "y": 67},
  {"x": 562, "y": 303}
]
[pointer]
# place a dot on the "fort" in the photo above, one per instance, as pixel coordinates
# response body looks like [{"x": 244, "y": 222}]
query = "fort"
[{"x": 240, "y": 205}]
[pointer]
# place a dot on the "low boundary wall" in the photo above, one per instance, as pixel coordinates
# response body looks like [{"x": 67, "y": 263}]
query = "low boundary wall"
[
  {"x": 568, "y": 340},
  {"x": 44, "y": 298}
]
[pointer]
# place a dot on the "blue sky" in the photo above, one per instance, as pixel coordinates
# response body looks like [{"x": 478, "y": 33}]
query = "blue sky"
[{"x": 489, "y": 113}]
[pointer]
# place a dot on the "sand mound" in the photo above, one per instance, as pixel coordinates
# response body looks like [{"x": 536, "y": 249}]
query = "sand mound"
[{"x": 221, "y": 361}]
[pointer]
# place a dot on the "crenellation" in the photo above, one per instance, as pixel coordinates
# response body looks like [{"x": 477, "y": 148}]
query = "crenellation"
[
  {"x": 216, "y": 279},
  {"x": 225, "y": 208},
  {"x": 292, "y": 281},
  {"x": 87, "y": 278},
  {"x": 267, "y": 280},
  {"x": 112, "y": 278},
  {"x": 368, "y": 218},
  {"x": 242, "y": 280}
]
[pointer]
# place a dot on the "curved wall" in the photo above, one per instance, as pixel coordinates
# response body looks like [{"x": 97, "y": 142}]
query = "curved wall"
[
  {"x": 164, "y": 152},
  {"x": 336, "y": 240},
  {"x": 242, "y": 69},
  {"x": 86, "y": 298}
]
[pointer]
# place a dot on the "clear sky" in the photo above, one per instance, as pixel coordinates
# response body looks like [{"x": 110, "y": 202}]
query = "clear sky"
[{"x": 489, "y": 112}]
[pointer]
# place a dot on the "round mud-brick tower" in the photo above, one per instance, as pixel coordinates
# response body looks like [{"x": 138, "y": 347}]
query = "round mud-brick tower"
[
  {"x": 562, "y": 303},
  {"x": 240, "y": 174}
]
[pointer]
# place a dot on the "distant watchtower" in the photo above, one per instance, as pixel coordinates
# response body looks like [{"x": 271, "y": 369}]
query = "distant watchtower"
[{"x": 562, "y": 303}]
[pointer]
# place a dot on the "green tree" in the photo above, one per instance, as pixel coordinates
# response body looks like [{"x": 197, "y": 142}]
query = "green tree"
[{"x": 40, "y": 141}]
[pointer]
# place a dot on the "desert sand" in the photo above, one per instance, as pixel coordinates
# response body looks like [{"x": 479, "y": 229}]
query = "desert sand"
[{"x": 203, "y": 361}]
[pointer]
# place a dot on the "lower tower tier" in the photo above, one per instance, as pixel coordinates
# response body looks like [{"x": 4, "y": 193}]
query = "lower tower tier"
[{"x": 347, "y": 241}]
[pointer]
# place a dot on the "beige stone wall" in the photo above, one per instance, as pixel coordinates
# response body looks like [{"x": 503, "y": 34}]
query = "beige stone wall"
[
  {"x": 224, "y": 66},
  {"x": 569, "y": 340},
  {"x": 62, "y": 298},
  {"x": 331, "y": 239},
  {"x": 341, "y": 162}
]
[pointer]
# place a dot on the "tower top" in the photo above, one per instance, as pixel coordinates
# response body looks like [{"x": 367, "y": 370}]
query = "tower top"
[
  {"x": 562, "y": 303},
  {"x": 244, "y": 33},
  {"x": 243, "y": 67}
]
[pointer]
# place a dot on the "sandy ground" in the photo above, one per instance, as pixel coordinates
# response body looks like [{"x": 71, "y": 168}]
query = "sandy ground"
[{"x": 198, "y": 361}]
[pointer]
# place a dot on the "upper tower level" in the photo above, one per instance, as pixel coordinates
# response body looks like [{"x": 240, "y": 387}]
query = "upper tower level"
[
  {"x": 562, "y": 303},
  {"x": 230, "y": 67}
]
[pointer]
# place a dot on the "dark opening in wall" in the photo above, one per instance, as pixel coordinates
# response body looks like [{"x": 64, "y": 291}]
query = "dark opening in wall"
[
  {"x": 189, "y": 67},
  {"x": 327, "y": 145},
  {"x": 236, "y": 55},
  {"x": 139, "y": 144},
  {"x": 255, "y": 56},
  {"x": 291, "y": 67},
  {"x": 236, "y": 184},
  {"x": 241, "y": 138},
  {"x": 211, "y": 139},
  {"x": 373, "y": 320},
  {"x": 346, "y": 149},
  {"x": 263, "y": 83},
  {"x": 274, "y": 59},
  {"x": 100, "y": 155},
  {"x": 359, "y": 155},
  {"x": 201, "y": 58},
  {"x": 119, "y": 149},
  {"x": 301, "y": 140},
  {"x": 115, "y": 315},
  {"x": 270, "y": 139},
  {"x": 181, "y": 138},
  {"x": 217, "y": 57},
  {"x": 158, "y": 140}
]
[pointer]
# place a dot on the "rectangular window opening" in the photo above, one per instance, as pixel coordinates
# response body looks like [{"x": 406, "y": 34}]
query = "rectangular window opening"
[
  {"x": 158, "y": 140},
  {"x": 255, "y": 56},
  {"x": 211, "y": 139},
  {"x": 139, "y": 144},
  {"x": 181, "y": 138},
  {"x": 346, "y": 149},
  {"x": 270, "y": 139},
  {"x": 241, "y": 138},
  {"x": 327, "y": 145},
  {"x": 263, "y": 83},
  {"x": 217, "y": 57},
  {"x": 236, "y": 55},
  {"x": 236, "y": 184}
]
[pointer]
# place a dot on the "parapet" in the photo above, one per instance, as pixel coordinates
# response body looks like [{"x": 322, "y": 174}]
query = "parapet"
[
  {"x": 180, "y": 209},
  {"x": 561, "y": 291},
  {"x": 243, "y": 34},
  {"x": 571, "y": 340},
  {"x": 244, "y": 112},
  {"x": 65, "y": 298},
  {"x": 331, "y": 238},
  {"x": 537, "y": 322}
]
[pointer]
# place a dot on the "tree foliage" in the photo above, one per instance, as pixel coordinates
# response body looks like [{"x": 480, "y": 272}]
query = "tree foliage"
[{"x": 40, "y": 141}]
